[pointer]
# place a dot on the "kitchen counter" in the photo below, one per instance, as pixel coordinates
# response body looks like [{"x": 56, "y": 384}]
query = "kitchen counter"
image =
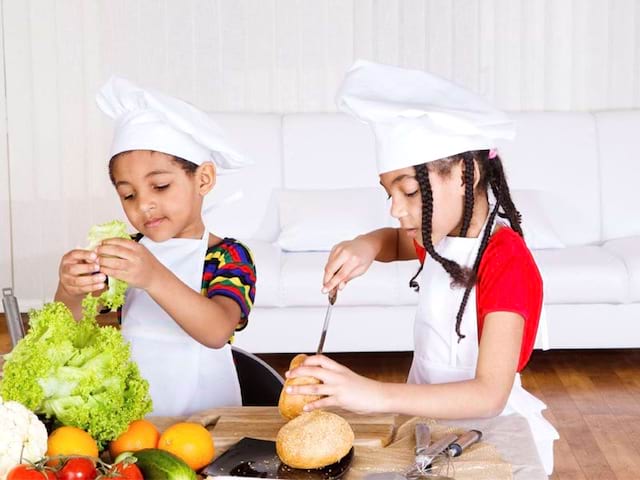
[{"x": 386, "y": 442}]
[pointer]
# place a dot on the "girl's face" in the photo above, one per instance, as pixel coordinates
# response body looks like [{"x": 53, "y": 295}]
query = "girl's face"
[
  {"x": 160, "y": 199},
  {"x": 406, "y": 202}
]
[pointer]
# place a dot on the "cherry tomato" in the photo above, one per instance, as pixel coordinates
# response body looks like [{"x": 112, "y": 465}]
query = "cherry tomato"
[
  {"x": 28, "y": 472},
  {"x": 78, "y": 468},
  {"x": 128, "y": 471}
]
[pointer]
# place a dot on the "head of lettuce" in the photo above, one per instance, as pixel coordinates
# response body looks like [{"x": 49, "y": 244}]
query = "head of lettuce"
[{"x": 76, "y": 372}]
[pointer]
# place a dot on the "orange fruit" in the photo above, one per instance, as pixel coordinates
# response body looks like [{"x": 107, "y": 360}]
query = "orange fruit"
[
  {"x": 71, "y": 441},
  {"x": 189, "y": 441},
  {"x": 140, "y": 434}
]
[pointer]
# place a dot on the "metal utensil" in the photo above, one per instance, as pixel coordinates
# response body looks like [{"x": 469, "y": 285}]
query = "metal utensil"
[
  {"x": 428, "y": 454},
  {"x": 423, "y": 439},
  {"x": 463, "y": 442},
  {"x": 12, "y": 314},
  {"x": 333, "y": 295}
]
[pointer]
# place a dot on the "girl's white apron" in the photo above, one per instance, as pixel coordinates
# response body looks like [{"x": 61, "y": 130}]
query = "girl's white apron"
[
  {"x": 184, "y": 376},
  {"x": 439, "y": 358}
]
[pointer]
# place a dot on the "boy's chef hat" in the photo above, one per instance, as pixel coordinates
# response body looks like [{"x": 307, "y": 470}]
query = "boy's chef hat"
[
  {"x": 149, "y": 120},
  {"x": 418, "y": 117}
]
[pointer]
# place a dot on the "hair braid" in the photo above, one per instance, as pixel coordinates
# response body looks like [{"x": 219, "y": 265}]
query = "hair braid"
[
  {"x": 476, "y": 264},
  {"x": 459, "y": 274},
  {"x": 500, "y": 188},
  {"x": 468, "y": 192}
]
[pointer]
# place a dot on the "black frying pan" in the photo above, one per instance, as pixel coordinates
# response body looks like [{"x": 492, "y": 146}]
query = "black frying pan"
[{"x": 251, "y": 457}]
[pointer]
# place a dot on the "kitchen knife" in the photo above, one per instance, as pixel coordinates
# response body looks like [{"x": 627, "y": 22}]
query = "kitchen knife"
[{"x": 333, "y": 294}]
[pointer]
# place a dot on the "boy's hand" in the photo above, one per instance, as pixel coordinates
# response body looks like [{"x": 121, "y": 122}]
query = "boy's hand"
[
  {"x": 128, "y": 261},
  {"x": 79, "y": 273}
]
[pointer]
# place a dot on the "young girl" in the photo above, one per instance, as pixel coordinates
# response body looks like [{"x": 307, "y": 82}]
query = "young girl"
[
  {"x": 480, "y": 290},
  {"x": 189, "y": 289}
]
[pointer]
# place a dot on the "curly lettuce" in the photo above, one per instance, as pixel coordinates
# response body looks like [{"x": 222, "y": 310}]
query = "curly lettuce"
[
  {"x": 76, "y": 373},
  {"x": 113, "y": 297}
]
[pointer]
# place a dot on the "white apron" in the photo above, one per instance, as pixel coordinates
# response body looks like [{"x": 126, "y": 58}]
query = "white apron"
[
  {"x": 439, "y": 358},
  {"x": 184, "y": 376}
]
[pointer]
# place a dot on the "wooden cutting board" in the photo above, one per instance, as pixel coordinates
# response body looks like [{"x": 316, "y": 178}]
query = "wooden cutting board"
[{"x": 229, "y": 424}]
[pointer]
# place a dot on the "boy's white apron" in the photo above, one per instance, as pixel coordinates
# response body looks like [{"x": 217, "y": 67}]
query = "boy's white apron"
[
  {"x": 184, "y": 376},
  {"x": 439, "y": 358}
]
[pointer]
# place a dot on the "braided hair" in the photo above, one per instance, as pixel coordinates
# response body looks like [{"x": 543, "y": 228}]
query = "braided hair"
[{"x": 491, "y": 176}]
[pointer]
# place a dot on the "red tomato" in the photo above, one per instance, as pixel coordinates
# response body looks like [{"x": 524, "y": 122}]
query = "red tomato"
[
  {"x": 78, "y": 468},
  {"x": 128, "y": 471},
  {"x": 28, "y": 472}
]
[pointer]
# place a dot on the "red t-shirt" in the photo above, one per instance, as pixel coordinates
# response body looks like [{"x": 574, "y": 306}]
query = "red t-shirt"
[{"x": 508, "y": 281}]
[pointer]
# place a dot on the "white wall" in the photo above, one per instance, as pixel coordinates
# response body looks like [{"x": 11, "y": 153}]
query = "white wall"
[{"x": 261, "y": 56}]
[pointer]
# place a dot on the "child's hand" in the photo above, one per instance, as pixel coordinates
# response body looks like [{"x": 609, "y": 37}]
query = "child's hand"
[
  {"x": 340, "y": 386},
  {"x": 128, "y": 261},
  {"x": 347, "y": 260},
  {"x": 79, "y": 273}
]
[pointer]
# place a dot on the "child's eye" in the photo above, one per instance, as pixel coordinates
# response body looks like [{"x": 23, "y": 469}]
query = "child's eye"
[
  {"x": 161, "y": 187},
  {"x": 412, "y": 194},
  {"x": 128, "y": 197}
]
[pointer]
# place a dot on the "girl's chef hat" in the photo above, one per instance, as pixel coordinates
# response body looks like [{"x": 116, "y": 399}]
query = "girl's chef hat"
[
  {"x": 418, "y": 117},
  {"x": 149, "y": 120}
]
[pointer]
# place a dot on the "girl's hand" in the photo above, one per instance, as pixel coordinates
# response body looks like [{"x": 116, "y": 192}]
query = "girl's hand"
[
  {"x": 79, "y": 273},
  {"x": 347, "y": 260},
  {"x": 128, "y": 261},
  {"x": 340, "y": 386}
]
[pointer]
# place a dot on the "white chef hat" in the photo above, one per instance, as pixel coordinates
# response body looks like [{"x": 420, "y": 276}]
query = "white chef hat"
[
  {"x": 418, "y": 117},
  {"x": 149, "y": 120}
]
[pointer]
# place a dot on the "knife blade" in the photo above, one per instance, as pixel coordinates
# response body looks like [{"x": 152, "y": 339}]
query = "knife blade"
[{"x": 333, "y": 295}]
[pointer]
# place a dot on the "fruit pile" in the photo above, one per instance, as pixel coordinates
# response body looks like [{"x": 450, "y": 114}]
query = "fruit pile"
[{"x": 141, "y": 452}]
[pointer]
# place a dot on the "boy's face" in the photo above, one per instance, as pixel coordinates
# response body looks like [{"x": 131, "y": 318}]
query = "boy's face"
[
  {"x": 406, "y": 202},
  {"x": 160, "y": 199}
]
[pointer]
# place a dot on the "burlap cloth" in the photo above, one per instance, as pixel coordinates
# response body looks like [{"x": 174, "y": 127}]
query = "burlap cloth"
[{"x": 481, "y": 461}]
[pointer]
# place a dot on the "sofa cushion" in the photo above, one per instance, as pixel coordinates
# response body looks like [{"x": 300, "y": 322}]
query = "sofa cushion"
[
  {"x": 316, "y": 220},
  {"x": 619, "y": 144},
  {"x": 267, "y": 260},
  {"x": 255, "y": 214},
  {"x": 586, "y": 274},
  {"x": 536, "y": 226},
  {"x": 557, "y": 154},
  {"x": 301, "y": 282},
  {"x": 628, "y": 249}
]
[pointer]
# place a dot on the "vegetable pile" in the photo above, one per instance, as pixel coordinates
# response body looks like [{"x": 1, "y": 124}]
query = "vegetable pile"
[{"x": 78, "y": 373}]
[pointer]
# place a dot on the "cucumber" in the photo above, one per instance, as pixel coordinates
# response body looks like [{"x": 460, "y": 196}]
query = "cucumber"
[{"x": 156, "y": 464}]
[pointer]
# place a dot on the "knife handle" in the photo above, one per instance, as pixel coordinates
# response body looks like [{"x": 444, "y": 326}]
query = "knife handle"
[
  {"x": 465, "y": 440},
  {"x": 423, "y": 437}
]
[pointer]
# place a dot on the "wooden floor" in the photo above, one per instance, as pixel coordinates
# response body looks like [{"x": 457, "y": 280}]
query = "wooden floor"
[{"x": 593, "y": 398}]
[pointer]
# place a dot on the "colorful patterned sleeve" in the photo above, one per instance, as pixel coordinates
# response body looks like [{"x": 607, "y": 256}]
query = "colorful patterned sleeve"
[{"x": 229, "y": 271}]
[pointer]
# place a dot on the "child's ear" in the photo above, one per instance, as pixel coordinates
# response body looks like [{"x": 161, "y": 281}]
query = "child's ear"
[{"x": 206, "y": 177}]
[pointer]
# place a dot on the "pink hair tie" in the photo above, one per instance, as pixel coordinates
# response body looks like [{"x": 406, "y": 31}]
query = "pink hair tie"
[{"x": 493, "y": 153}]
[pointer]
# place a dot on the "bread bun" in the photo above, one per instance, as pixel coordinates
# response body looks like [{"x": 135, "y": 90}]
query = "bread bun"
[
  {"x": 291, "y": 406},
  {"x": 314, "y": 440}
]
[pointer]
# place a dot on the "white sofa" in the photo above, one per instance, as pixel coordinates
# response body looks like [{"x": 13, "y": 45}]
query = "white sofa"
[{"x": 575, "y": 179}]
